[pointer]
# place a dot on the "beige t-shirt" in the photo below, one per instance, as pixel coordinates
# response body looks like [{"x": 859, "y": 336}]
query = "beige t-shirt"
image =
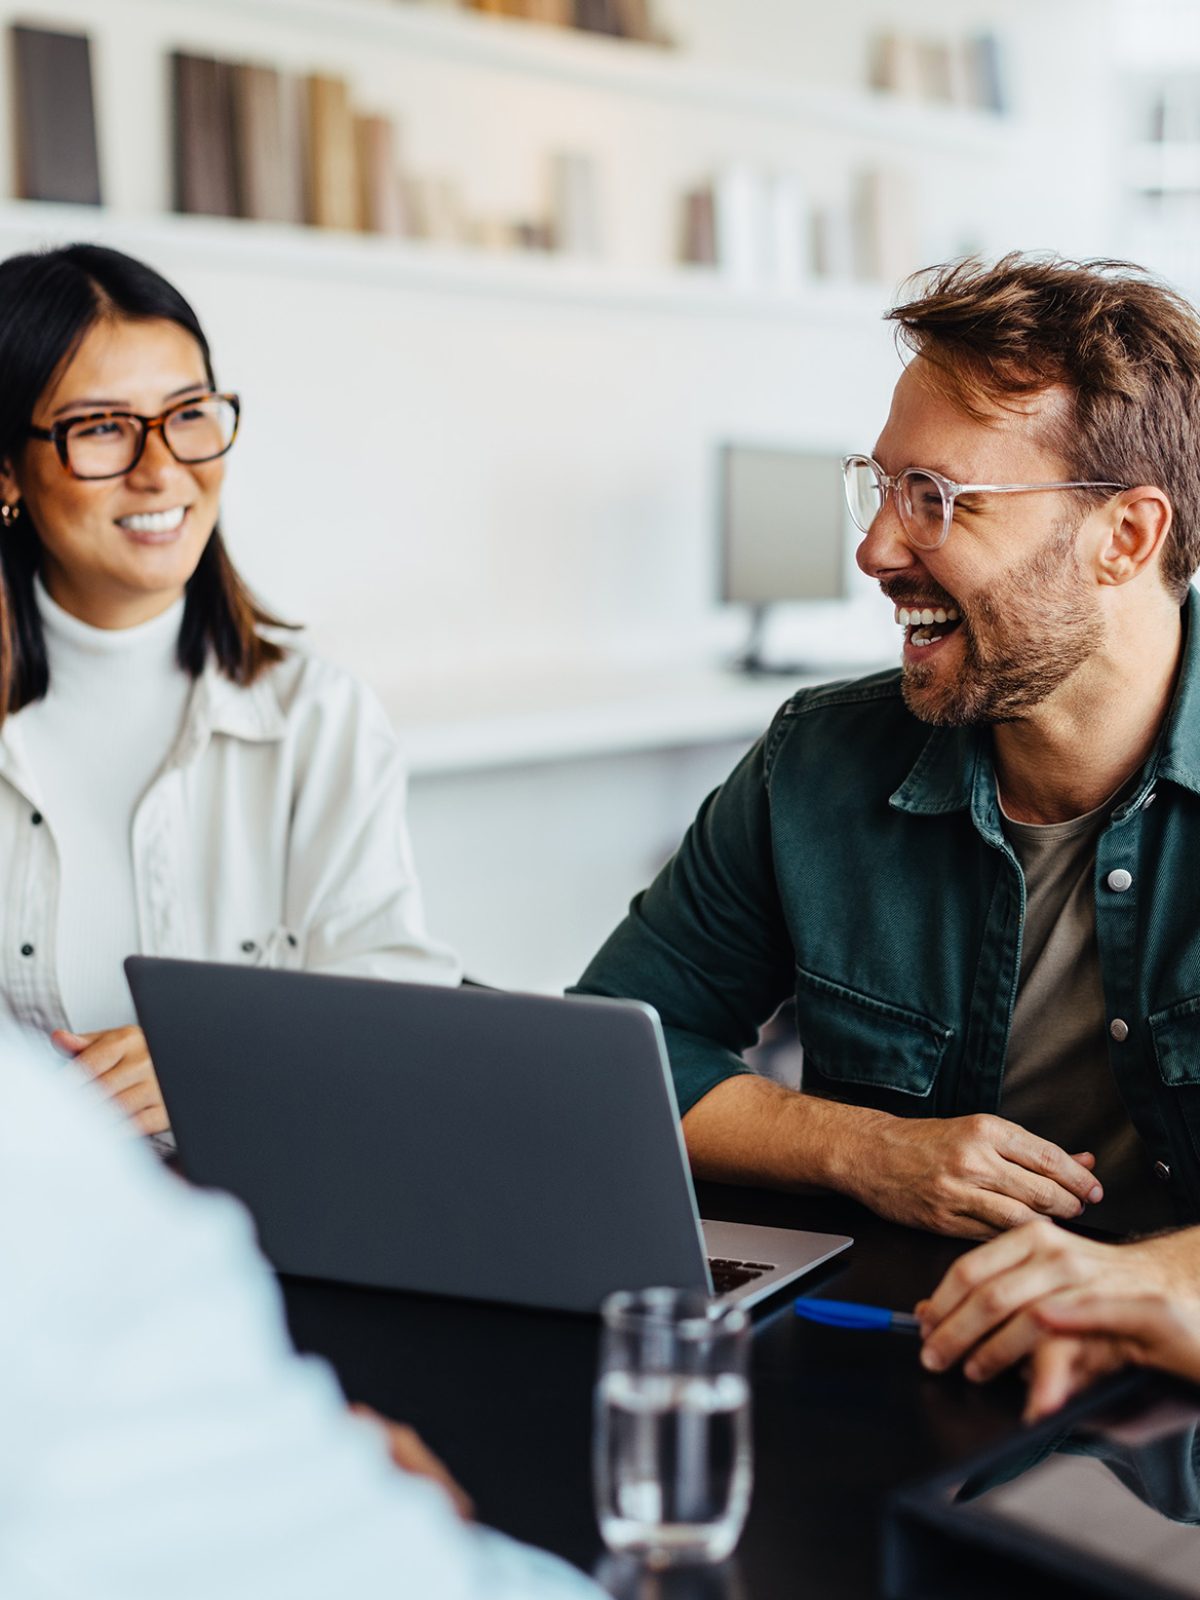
[{"x": 1057, "y": 1078}]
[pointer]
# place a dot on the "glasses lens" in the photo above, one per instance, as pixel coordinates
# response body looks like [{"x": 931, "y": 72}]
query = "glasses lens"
[
  {"x": 864, "y": 495},
  {"x": 102, "y": 447},
  {"x": 201, "y": 429},
  {"x": 922, "y": 508}
]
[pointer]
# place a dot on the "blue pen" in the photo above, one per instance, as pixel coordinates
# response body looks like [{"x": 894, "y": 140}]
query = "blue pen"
[{"x": 848, "y": 1314}]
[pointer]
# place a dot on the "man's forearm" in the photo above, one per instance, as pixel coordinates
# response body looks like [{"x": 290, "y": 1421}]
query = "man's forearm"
[
  {"x": 752, "y": 1130},
  {"x": 1174, "y": 1259}
]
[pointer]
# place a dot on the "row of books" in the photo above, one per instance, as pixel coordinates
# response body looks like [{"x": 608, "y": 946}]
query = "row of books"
[
  {"x": 964, "y": 72},
  {"x": 764, "y": 231},
  {"x": 254, "y": 142},
  {"x": 250, "y": 141},
  {"x": 620, "y": 19}
]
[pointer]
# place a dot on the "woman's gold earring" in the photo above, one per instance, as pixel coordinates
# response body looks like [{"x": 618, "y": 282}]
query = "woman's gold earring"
[{"x": 9, "y": 513}]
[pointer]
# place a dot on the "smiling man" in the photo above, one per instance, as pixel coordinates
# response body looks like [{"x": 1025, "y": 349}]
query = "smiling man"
[{"x": 975, "y": 875}]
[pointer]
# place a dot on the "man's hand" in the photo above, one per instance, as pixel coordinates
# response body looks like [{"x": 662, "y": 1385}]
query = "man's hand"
[
  {"x": 119, "y": 1063},
  {"x": 411, "y": 1454},
  {"x": 969, "y": 1176},
  {"x": 1090, "y": 1332},
  {"x": 983, "y": 1309}
]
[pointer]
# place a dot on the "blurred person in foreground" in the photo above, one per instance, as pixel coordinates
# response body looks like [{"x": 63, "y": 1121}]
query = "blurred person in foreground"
[
  {"x": 975, "y": 875},
  {"x": 159, "y": 1435}
]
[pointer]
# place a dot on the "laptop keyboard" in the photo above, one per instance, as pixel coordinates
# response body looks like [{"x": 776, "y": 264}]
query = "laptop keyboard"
[{"x": 728, "y": 1275}]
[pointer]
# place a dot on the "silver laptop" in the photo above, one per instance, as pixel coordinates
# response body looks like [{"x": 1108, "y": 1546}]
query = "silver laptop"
[{"x": 467, "y": 1142}]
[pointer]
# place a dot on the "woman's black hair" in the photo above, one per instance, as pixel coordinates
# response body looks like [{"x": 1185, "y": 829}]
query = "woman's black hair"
[{"x": 48, "y": 302}]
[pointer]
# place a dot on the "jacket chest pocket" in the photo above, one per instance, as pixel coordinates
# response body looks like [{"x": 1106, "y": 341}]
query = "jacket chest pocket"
[
  {"x": 1176, "y": 1035},
  {"x": 866, "y": 1051}
]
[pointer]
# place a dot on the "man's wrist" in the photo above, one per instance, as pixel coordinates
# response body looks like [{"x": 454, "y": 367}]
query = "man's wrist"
[
  {"x": 1170, "y": 1262},
  {"x": 841, "y": 1145}
]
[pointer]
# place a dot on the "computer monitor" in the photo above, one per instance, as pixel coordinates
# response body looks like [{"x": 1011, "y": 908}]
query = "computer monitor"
[
  {"x": 784, "y": 529},
  {"x": 783, "y": 525}
]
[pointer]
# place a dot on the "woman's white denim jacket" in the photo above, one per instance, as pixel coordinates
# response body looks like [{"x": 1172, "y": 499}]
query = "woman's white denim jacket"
[{"x": 274, "y": 835}]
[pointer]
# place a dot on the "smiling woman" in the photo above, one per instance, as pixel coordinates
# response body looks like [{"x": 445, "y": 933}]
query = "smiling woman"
[{"x": 173, "y": 779}]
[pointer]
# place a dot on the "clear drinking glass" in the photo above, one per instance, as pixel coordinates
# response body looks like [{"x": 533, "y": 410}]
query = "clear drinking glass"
[{"x": 672, "y": 1460}]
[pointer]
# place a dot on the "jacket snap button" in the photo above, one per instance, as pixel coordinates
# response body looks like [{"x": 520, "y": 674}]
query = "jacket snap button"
[
  {"x": 1162, "y": 1171},
  {"x": 36, "y": 819},
  {"x": 26, "y": 949},
  {"x": 249, "y": 946},
  {"x": 1119, "y": 1030},
  {"x": 1120, "y": 880}
]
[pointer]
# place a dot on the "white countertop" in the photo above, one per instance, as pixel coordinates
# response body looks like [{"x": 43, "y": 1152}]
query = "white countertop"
[{"x": 479, "y": 723}]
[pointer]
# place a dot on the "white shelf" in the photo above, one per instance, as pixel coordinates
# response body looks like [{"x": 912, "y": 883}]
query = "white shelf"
[
  {"x": 272, "y": 249},
  {"x": 624, "y": 67},
  {"x": 453, "y": 730}
]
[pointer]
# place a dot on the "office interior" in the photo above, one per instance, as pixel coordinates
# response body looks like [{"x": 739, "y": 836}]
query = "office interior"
[{"x": 489, "y": 478}]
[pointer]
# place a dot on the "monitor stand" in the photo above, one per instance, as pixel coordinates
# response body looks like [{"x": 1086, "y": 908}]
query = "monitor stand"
[{"x": 755, "y": 665}]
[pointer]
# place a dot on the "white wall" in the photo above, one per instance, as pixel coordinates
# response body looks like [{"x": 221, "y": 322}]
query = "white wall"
[{"x": 454, "y": 477}]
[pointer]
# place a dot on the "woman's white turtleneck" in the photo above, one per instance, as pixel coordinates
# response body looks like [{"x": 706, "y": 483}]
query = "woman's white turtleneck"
[{"x": 94, "y": 744}]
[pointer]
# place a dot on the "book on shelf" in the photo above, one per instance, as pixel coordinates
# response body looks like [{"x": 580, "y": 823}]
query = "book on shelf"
[
  {"x": 575, "y": 204},
  {"x": 883, "y": 215},
  {"x": 833, "y": 242},
  {"x": 986, "y": 70},
  {"x": 895, "y": 65},
  {"x": 948, "y": 71},
  {"x": 598, "y": 16},
  {"x": 381, "y": 200},
  {"x": 333, "y": 188},
  {"x": 56, "y": 149},
  {"x": 698, "y": 244},
  {"x": 266, "y": 123},
  {"x": 205, "y": 169}
]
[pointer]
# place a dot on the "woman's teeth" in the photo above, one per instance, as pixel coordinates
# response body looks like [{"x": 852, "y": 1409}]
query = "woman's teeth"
[{"x": 154, "y": 521}]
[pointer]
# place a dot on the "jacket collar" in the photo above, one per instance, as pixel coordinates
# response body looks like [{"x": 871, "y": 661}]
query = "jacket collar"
[
  {"x": 954, "y": 768},
  {"x": 1179, "y": 748},
  {"x": 217, "y": 705}
]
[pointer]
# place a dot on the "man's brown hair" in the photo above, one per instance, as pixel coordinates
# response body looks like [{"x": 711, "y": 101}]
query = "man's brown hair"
[{"x": 1124, "y": 346}]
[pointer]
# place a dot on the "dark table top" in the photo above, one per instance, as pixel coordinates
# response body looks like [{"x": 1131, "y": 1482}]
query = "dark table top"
[{"x": 840, "y": 1418}]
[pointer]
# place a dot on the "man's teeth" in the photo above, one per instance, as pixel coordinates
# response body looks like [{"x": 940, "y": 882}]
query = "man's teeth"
[
  {"x": 155, "y": 521},
  {"x": 918, "y": 619}
]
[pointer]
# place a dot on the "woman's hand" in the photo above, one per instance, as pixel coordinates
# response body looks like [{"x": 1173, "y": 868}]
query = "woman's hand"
[
  {"x": 410, "y": 1453},
  {"x": 117, "y": 1060},
  {"x": 1090, "y": 1332}
]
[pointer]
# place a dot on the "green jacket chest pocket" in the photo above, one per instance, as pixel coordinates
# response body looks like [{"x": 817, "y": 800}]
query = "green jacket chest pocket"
[
  {"x": 1176, "y": 1034},
  {"x": 867, "y": 1051}
]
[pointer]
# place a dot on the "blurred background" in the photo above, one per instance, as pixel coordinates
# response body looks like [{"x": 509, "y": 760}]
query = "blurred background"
[{"x": 550, "y": 319}]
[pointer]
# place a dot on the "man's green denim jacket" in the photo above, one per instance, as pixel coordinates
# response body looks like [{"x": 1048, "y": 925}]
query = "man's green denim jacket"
[{"x": 855, "y": 859}]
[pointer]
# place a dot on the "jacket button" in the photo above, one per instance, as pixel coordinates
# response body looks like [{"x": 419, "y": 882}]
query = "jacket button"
[
  {"x": 1120, "y": 880},
  {"x": 1119, "y": 1030},
  {"x": 36, "y": 819},
  {"x": 249, "y": 946},
  {"x": 1162, "y": 1172},
  {"x": 26, "y": 949}
]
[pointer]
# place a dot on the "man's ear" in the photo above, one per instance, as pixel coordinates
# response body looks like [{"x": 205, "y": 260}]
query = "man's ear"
[{"x": 1135, "y": 534}]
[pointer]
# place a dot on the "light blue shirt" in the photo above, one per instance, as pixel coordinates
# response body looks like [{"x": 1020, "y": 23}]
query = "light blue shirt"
[{"x": 157, "y": 1434}]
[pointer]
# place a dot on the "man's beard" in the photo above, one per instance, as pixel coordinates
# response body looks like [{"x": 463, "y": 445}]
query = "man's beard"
[{"x": 1021, "y": 639}]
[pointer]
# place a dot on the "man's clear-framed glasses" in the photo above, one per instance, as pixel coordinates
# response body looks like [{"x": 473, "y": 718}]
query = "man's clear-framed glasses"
[
  {"x": 108, "y": 444},
  {"x": 924, "y": 498}
]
